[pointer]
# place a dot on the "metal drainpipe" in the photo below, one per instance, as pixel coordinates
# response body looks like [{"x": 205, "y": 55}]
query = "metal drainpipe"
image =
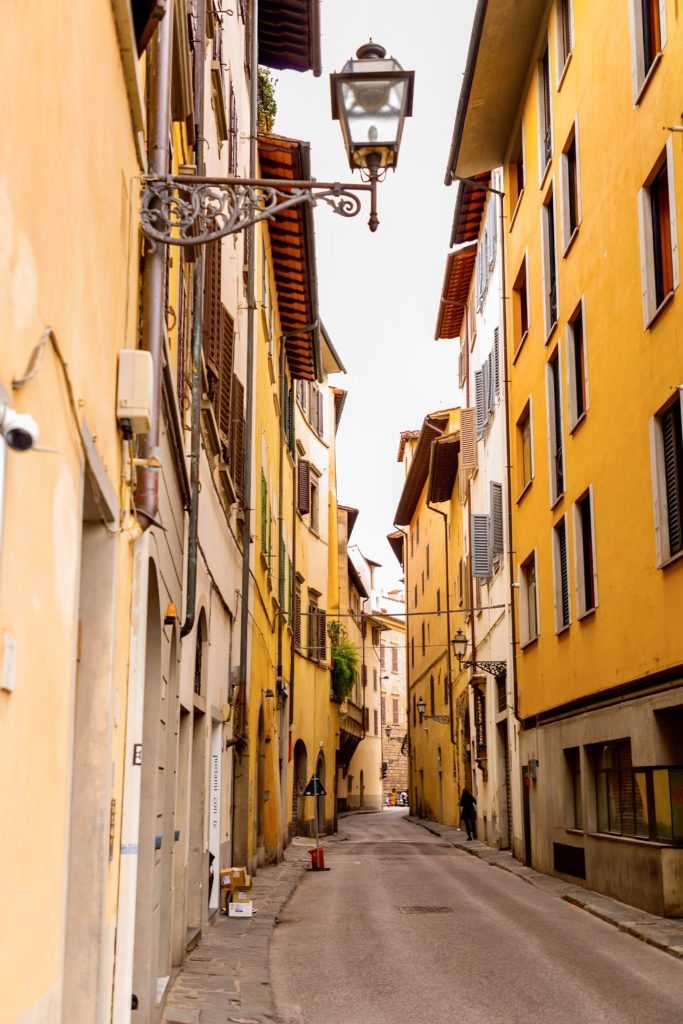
[
  {"x": 508, "y": 470},
  {"x": 292, "y": 651},
  {"x": 249, "y": 413},
  {"x": 154, "y": 273},
  {"x": 282, "y": 584},
  {"x": 410, "y": 728},
  {"x": 432, "y": 453},
  {"x": 197, "y": 313}
]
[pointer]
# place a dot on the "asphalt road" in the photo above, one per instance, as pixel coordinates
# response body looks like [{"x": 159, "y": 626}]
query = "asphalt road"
[{"x": 346, "y": 952}]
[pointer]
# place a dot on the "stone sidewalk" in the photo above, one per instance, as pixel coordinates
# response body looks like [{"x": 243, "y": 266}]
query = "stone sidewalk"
[
  {"x": 663, "y": 932},
  {"x": 225, "y": 979}
]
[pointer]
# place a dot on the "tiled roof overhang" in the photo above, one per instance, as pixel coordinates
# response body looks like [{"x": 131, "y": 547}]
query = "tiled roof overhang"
[
  {"x": 416, "y": 479},
  {"x": 340, "y": 397},
  {"x": 469, "y": 207},
  {"x": 396, "y": 540},
  {"x": 456, "y": 288},
  {"x": 504, "y": 34},
  {"x": 289, "y": 35},
  {"x": 352, "y": 516},
  {"x": 443, "y": 471},
  {"x": 292, "y": 240},
  {"x": 354, "y": 576}
]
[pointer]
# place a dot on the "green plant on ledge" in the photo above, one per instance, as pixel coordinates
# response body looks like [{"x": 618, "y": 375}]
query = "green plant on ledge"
[
  {"x": 267, "y": 104},
  {"x": 344, "y": 661}
]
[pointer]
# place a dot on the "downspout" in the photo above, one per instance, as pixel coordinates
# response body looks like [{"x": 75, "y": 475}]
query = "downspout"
[
  {"x": 432, "y": 453},
  {"x": 249, "y": 413},
  {"x": 282, "y": 591},
  {"x": 295, "y": 509},
  {"x": 508, "y": 470},
  {"x": 197, "y": 315},
  {"x": 154, "y": 272},
  {"x": 410, "y": 727}
]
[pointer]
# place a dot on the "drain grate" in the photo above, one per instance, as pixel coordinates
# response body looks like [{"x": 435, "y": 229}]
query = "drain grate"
[{"x": 425, "y": 910}]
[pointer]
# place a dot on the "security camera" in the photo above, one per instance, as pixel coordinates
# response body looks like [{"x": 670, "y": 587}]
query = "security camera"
[{"x": 19, "y": 430}]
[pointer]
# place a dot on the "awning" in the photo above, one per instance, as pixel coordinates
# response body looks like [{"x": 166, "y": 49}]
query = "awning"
[
  {"x": 444, "y": 468},
  {"x": 504, "y": 35},
  {"x": 469, "y": 207},
  {"x": 289, "y": 35},
  {"x": 456, "y": 288},
  {"x": 292, "y": 240}
]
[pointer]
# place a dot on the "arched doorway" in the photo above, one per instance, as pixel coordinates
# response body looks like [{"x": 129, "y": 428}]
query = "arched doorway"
[
  {"x": 298, "y": 785},
  {"x": 320, "y": 772},
  {"x": 147, "y": 907}
]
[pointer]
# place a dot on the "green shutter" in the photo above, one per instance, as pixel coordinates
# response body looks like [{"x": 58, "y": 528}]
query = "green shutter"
[{"x": 264, "y": 513}]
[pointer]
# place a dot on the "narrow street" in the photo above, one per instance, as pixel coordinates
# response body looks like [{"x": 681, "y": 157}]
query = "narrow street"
[{"x": 483, "y": 947}]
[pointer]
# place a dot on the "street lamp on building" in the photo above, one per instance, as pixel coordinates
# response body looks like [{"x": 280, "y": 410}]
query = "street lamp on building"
[
  {"x": 371, "y": 98},
  {"x": 387, "y": 729},
  {"x": 422, "y": 707},
  {"x": 460, "y": 644}
]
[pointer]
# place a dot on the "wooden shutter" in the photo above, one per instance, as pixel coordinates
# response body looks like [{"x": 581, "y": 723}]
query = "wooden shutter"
[
  {"x": 146, "y": 16},
  {"x": 673, "y": 476},
  {"x": 468, "y": 439},
  {"x": 394, "y": 659},
  {"x": 264, "y": 514},
  {"x": 320, "y": 413},
  {"x": 496, "y": 511},
  {"x": 496, "y": 361},
  {"x": 480, "y": 401},
  {"x": 297, "y": 616},
  {"x": 290, "y": 417},
  {"x": 282, "y": 572},
  {"x": 211, "y": 321},
  {"x": 181, "y": 334},
  {"x": 382, "y": 649},
  {"x": 304, "y": 487},
  {"x": 564, "y": 574},
  {"x": 232, "y": 152},
  {"x": 480, "y": 546},
  {"x": 322, "y": 635},
  {"x": 237, "y": 445},
  {"x": 488, "y": 385},
  {"x": 224, "y": 388}
]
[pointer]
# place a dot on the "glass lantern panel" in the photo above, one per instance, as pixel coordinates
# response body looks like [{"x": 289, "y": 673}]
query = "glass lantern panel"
[{"x": 374, "y": 110}]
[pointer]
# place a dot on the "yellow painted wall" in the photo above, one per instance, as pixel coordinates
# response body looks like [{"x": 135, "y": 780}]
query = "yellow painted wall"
[
  {"x": 68, "y": 259},
  {"x": 635, "y": 629}
]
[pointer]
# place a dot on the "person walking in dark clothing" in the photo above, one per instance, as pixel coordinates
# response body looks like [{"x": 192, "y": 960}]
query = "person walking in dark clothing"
[{"x": 468, "y": 811}]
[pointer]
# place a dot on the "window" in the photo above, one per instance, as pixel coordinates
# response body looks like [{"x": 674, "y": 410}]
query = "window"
[
  {"x": 383, "y": 708},
  {"x": 545, "y": 113},
  {"x": 412, "y": 652},
  {"x": 621, "y": 792},
  {"x": 516, "y": 171},
  {"x": 480, "y": 545},
  {"x": 417, "y": 530},
  {"x": 438, "y": 599},
  {"x": 423, "y": 582},
  {"x": 394, "y": 658},
  {"x": 525, "y": 455},
  {"x": 431, "y": 695},
  {"x": 571, "y": 194},
  {"x": 668, "y": 481},
  {"x": 556, "y": 447},
  {"x": 584, "y": 533},
  {"x": 549, "y": 263},
  {"x": 573, "y": 759},
  {"x": 381, "y": 655},
  {"x": 561, "y": 574},
  {"x": 415, "y": 597},
  {"x": 376, "y": 636},
  {"x": 234, "y": 134},
  {"x": 427, "y": 560},
  {"x": 394, "y": 710},
  {"x": 577, "y": 366},
  {"x": 528, "y": 600},
  {"x": 315, "y": 409},
  {"x": 659, "y": 249},
  {"x": 366, "y": 719},
  {"x": 313, "y": 628},
  {"x": 521, "y": 306},
  {"x": 297, "y": 616},
  {"x": 565, "y": 34},
  {"x": 496, "y": 514},
  {"x": 648, "y": 21},
  {"x": 375, "y": 722},
  {"x": 315, "y": 503},
  {"x": 424, "y": 647},
  {"x": 374, "y": 679}
]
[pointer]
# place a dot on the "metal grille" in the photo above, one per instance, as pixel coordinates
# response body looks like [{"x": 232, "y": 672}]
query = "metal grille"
[{"x": 425, "y": 910}]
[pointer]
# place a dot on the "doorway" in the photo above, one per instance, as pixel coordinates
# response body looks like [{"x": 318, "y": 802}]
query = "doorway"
[
  {"x": 298, "y": 786},
  {"x": 320, "y": 772},
  {"x": 526, "y": 813},
  {"x": 503, "y": 779}
]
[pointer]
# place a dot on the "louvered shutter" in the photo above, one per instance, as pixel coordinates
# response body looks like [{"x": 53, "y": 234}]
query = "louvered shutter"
[
  {"x": 320, "y": 413},
  {"x": 488, "y": 384},
  {"x": 673, "y": 476},
  {"x": 481, "y": 548},
  {"x": 297, "y": 616},
  {"x": 290, "y": 418},
  {"x": 237, "y": 445},
  {"x": 496, "y": 361},
  {"x": 493, "y": 217},
  {"x": 211, "y": 321},
  {"x": 322, "y": 635},
  {"x": 224, "y": 388},
  {"x": 304, "y": 487},
  {"x": 468, "y": 439},
  {"x": 282, "y": 575},
  {"x": 564, "y": 574},
  {"x": 480, "y": 401},
  {"x": 264, "y": 514},
  {"x": 496, "y": 511}
]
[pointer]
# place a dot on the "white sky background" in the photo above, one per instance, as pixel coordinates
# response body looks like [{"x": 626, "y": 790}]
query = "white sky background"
[{"x": 379, "y": 294}]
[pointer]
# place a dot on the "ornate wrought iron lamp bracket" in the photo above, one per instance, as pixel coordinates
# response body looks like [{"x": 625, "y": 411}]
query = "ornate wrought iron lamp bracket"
[
  {"x": 494, "y": 668},
  {"x": 442, "y": 719},
  {"x": 189, "y": 210}
]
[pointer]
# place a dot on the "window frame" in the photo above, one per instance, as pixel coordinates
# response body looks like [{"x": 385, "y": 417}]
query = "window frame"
[
  {"x": 652, "y": 308},
  {"x": 582, "y": 609},
  {"x": 549, "y": 324},
  {"x": 514, "y": 165},
  {"x": 521, "y": 332},
  {"x": 660, "y": 504},
  {"x": 563, "y": 58},
  {"x": 526, "y": 415},
  {"x": 640, "y": 75},
  {"x": 569, "y": 233},
  {"x": 561, "y": 626},
  {"x": 557, "y": 488},
  {"x": 526, "y": 636},
  {"x": 573, "y": 416},
  {"x": 545, "y": 79}
]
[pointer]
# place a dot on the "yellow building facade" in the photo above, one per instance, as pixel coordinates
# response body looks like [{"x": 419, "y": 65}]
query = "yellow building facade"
[{"x": 592, "y": 183}]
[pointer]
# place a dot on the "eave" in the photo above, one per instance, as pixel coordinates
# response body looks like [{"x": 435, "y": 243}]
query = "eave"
[
  {"x": 396, "y": 541},
  {"x": 455, "y": 290},
  {"x": 289, "y": 35},
  {"x": 504, "y": 35},
  {"x": 433, "y": 427},
  {"x": 469, "y": 209}
]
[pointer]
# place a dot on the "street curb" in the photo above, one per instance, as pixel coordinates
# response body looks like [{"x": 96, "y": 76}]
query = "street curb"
[{"x": 665, "y": 934}]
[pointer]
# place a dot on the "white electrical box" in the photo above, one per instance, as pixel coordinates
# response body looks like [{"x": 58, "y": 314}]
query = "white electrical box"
[{"x": 135, "y": 390}]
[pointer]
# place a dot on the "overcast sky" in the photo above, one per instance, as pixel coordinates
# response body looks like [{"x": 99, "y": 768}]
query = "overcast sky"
[{"x": 379, "y": 293}]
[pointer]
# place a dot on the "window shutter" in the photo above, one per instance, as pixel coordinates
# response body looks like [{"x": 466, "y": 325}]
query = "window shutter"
[
  {"x": 264, "y": 514},
  {"x": 234, "y": 136},
  {"x": 297, "y": 616},
  {"x": 496, "y": 510},
  {"x": 227, "y": 348},
  {"x": 322, "y": 635},
  {"x": 320, "y": 413},
  {"x": 564, "y": 575},
  {"x": 468, "y": 439},
  {"x": 281, "y": 577},
  {"x": 290, "y": 418},
  {"x": 481, "y": 551},
  {"x": 496, "y": 361},
  {"x": 211, "y": 325},
  {"x": 673, "y": 477},
  {"x": 238, "y": 436},
  {"x": 364, "y": 674},
  {"x": 381, "y": 655},
  {"x": 488, "y": 382},
  {"x": 394, "y": 659},
  {"x": 304, "y": 493},
  {"x": 480, "y": 401}
]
